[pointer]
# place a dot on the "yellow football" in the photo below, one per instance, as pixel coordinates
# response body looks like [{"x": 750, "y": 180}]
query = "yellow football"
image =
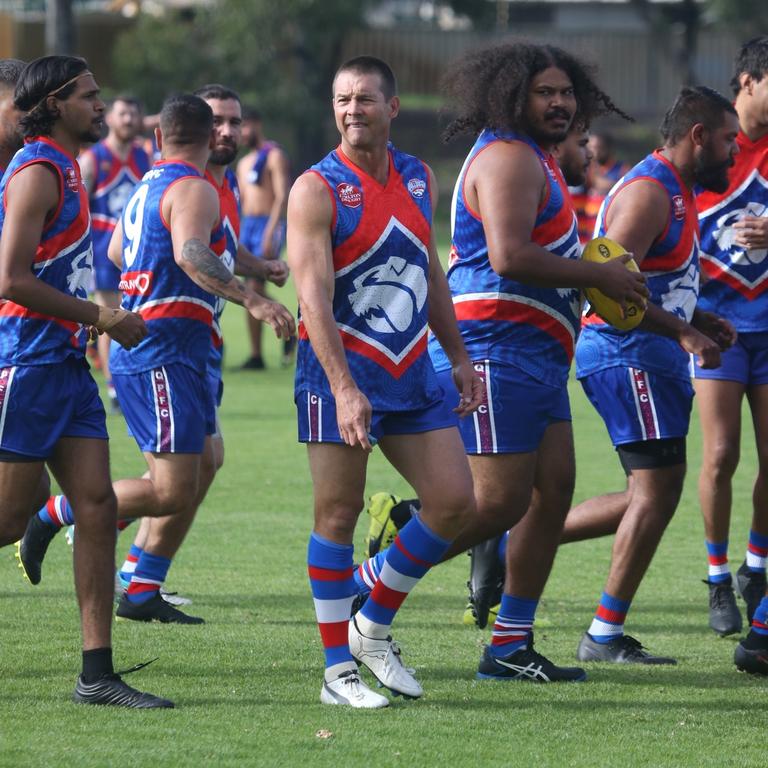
[{"x": 599, "y": 250}]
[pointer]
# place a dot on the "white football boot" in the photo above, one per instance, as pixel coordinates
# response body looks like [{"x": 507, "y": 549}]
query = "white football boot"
[
  {"x": 349, "y": 690},
  {"x": 382, "y": 657}
]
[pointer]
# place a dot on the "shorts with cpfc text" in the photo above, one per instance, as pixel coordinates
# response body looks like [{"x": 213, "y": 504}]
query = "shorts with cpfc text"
[
  {"x": 317, "y": 420},
  {"x": 515, "y": 413},
  {"x": 41, "y": 404},
  {"x": 637, "y": 406},
  {"x": 745, "y": 362},
  {"x": 169, "y": 409}
]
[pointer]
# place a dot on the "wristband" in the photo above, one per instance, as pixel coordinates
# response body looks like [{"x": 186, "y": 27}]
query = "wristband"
[{"x": 109, "y": 318}]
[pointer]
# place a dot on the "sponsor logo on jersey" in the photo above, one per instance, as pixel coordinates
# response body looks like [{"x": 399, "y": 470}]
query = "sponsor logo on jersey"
[
  {"x": 678, "y": 207},
  {"x": 349, "y": 195},
  {"x": 135, "y": 283},
  {"x": 70, "y": 179},
  {"x": 417, "y": 187}
]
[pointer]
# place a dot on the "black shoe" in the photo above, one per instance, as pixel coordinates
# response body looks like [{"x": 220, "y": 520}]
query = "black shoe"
[
  {"x": 110, "y": 690},
  {"x": 253, "y": 364},
  {"x": 724, "y": 614},
  {"x": 154, "y": 609},
  {"x": 526, "y": 664},
  {"x": 621, "y": 650},
  {"x": 751, "y": 654},
  {"x": 751, "y": 587},
  {"x": 30, "y": 551},
  {"x": 486, "y": 579},
  {"x": 360, "y": 600}
]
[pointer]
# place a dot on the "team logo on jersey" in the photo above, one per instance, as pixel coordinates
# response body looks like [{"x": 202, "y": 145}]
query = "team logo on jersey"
[
  {"x": 724, "y": 234},
  {"x": 70, "y": 179},
  {"x": 135, "y": 283},
  {"x": 388, "y": 296},
  {"x": 118, "y": 197},
  {"x": 417, "y": 187},
  {"x": 678, "y": 207},
  {"x": 349, "y": 195},
  {"x": 79, "y": 278}
]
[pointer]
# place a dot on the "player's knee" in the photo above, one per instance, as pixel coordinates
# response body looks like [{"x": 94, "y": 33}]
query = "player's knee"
[
  {"x": 176, "y": 499},
  {"x": 722, "y": 462},
  {"x": 337, "y": 520},
  {"x": 502, "y": 509}
]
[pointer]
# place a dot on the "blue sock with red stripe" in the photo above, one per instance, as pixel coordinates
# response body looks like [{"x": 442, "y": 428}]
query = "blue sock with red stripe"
[
  {"x": 757, "y": 551},
  {"x": 56, "y": 512},
  {"x": 129, "y": 564},
  {"x": 717, "y": 555},
  {"x": 513, "y": 625},
  {"x": 330, "y": 567},
  {"x": 148, "y": 577},
  {"x": 608, "y": 623},
  {"x": 415, "y": 550},
  {"x": 367, "y": 573},
  {"x": 760, "y": 619}
]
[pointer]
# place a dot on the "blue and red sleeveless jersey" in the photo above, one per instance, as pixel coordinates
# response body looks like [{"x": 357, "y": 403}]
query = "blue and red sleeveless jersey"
[
  {"x": 63, "y": 260},
  {"x": 380, "y": 238},
  {"x": 737, "y": 287},
  {"x": 504, "y": 320},
  {"x": 229, "y": 204},
  {"x": 178, "y": 313},
  {"x": 671, "y": 267},
  {"x": 255, "y": 174},
  {"x": 112, "y": 186}
]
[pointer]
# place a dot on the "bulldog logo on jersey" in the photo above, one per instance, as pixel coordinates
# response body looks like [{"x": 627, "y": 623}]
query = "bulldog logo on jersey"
[
  {"x": 349, "y": 195},
  {"x": 725, "y": 235},
  {"x": 417, "y": 187}
]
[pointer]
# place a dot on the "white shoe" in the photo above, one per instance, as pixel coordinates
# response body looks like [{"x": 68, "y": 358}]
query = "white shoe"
[
  {"x": 382, "y": 657},
  {"x": 350, "y": 690}
]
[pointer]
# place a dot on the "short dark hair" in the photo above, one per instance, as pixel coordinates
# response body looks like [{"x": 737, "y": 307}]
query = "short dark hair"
[
  {"x": 694, "y": 105},
  {"x": 752, "y": 59},
  {"x": 370, "y": 65},
  {"x": 126, "y": 98},
  {"x": 43, "y": 77},
  {"x": 218, "y": 92},
  {"x": 186, "y": 119},
  {"x": 10, "y": 71}
]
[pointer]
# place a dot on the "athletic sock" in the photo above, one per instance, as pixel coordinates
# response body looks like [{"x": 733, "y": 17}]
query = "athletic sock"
[
  {"x": 608, "y": 623},
  {"x": 760, "y": 619},
  {"x": 330, "y": 569},
  {"x": 56, "y": 512},
  {"x": 148, "y": 577},
  {"x": 717, "y": 554},
  {"x": 97, "y": 663},
  {"x": 128, "y": 567},
  {"x": 367, "y": 573},
  {"x": 757, "y": 551},
  {"x": 513, "y": 625},
  {"x": 415, "y": 550},
  {"x": 502, "y": 551}
]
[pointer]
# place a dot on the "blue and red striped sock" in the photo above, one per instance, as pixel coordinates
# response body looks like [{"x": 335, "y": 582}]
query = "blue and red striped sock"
[
  {"x": 757, "y": 551},
  {"x": 367, "y": 573},
  {"x": 717, "y": 555},
  {"x": 609, "y": 619},
  {"x": 513, "y": 625},
  {"x": 148, "y": 577},
  {"x": 760, "y": 619},
  {"x": 415, "y": 550},
  {"x": 330, "y": 567},
  {"x": 56, "y": 512},
  {"x": 128, "y": 567}
]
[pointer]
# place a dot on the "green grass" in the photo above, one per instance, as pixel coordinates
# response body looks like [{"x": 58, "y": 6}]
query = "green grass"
[{"x": 247, "y": 683}]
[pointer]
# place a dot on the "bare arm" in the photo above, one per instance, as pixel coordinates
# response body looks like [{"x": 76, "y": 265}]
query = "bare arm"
[
  {"x": 115, "y": 247},
  {"x": 249, "y": 265},
  {"x": 277, "y": 164},
  {"x": 310, "y": 213}
]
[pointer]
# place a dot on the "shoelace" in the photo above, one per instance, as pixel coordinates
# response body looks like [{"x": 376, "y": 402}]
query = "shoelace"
[
  {"x": 135, "y": 667},
  {"x": 393, "y": 644}
]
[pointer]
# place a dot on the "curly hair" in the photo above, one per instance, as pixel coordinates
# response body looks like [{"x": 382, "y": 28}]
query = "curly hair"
[
  {"x": 40, "y": 79},
  {"x": 489, "y": 88}
]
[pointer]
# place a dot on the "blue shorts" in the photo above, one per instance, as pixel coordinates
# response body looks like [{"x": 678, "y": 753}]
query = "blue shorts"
[
  {"x": 637, "y": 406},
  {"x": 169, "y": 409},
  {"x": 252, "y": 231},
  {"x": 40, "y": 404},
  {"x": 106, "y": 276},
  {"x": 317, "y": 420},
  {"x": 515, "y": 414},
  {"x": 745, "y": 362},
  {"x": 216, "y": 387}
]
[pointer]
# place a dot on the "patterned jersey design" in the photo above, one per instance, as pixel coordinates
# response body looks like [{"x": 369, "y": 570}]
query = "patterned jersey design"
[
  {"x": 738, "y": 278},
  {"x": 112, "y": 186},
  {"x": 178, "y": 313},
  {"x": 380, "y": 239},
  {"x": 503, "y": 320},
  {"x": 671, "y": 267},
  {"x": 63, "y": 260},
  {"x": 229, "y": 204}
]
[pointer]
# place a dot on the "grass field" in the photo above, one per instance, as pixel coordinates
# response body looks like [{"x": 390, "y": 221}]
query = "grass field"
[{"x": 246, "y": 684}]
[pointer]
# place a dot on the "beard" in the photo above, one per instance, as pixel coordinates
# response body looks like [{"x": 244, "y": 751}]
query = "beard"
[
  {"x": 223, "y": 155},
  {"x": 543, "y": 135},
  {"x": 711, "y": 175}
]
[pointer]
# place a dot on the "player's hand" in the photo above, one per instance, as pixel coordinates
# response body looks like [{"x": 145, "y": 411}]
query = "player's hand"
[
  {"x": 276, "y": 272},
  {"x": 470, "y": 386},
  {"x": 697, "y": 343},
  {"x": 751, "y": 232},
  {"x": 621, "y": 284},
  {"x": 353, "y": 416},
  {"x": 717, "y": 328},
  {"x": 126, "y": 328},
  {"x": 273, "y": 313}
]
